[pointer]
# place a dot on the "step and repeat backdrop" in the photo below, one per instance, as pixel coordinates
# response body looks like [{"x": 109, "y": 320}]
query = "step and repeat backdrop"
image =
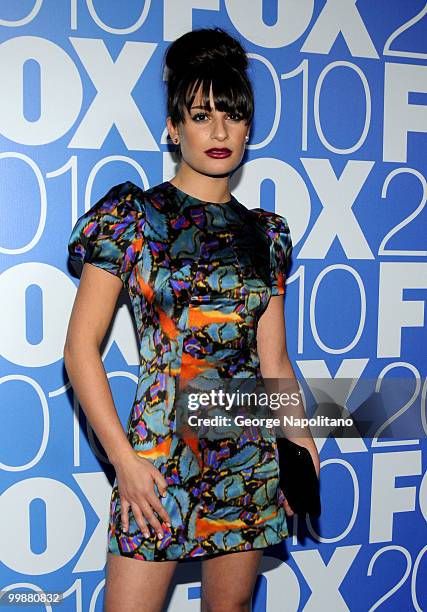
[{"x": 338, "y": 147}]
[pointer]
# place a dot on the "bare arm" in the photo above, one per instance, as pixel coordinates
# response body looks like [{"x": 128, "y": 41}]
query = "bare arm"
[
  {"x": 274, "y": 363},
  {"x": 90, "y": 317}
]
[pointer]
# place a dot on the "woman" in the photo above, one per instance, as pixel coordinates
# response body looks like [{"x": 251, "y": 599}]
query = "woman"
[{"x": 200, "y": 269}]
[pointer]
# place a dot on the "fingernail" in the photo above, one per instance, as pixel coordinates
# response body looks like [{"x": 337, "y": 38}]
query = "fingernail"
[
  {"x": 147, "y": 535},
  {"x": 168, "y": 524},
  {"x": 160, "y": 535}
]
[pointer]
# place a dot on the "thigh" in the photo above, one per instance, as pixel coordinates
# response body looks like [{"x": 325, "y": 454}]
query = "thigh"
[
  {"x": 236, "y": 573},
  {"x": 135, "y": 585}
]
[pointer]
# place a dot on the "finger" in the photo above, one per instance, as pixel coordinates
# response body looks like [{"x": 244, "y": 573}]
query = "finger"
[
  {"x": 140, "y": 520},
  {"x": 157, "y": 506},
  {"x": 124, "y": 514},
  {"x": 286, "y": 503},
  {"x": 161, "y": 482},
  {"x": 287, "y": 507},
  {"x": 151, "y": 518}
]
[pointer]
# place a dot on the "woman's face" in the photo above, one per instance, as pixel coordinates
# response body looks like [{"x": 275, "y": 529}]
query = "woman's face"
[{"x": 203, "y": 130}]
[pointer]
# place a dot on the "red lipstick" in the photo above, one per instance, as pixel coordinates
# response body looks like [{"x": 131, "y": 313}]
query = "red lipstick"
[{"x": 218, "y": 153}]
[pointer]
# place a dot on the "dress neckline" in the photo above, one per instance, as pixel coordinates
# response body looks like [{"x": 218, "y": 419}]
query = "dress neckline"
[{"x": 183, "y": 195}]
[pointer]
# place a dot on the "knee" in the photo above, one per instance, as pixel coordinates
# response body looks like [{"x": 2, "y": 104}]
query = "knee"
[{"x": 229, "y": 605}]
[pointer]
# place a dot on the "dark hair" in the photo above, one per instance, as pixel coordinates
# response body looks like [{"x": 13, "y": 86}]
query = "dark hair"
[{"x": 208, "y": 56}]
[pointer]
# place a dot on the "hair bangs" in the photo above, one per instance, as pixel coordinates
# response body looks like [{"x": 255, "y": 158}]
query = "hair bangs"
[{"x": 230, "y": 91}]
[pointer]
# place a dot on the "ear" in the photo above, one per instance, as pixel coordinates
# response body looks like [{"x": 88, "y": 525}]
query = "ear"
[{"x": 171, "y": 129}]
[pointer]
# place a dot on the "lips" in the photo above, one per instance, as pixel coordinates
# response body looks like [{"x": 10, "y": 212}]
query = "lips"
[{"x": 218, "y": 153}]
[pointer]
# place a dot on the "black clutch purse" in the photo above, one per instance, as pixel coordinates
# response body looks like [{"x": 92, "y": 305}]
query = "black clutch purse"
[{"x": 297, "y": 477}]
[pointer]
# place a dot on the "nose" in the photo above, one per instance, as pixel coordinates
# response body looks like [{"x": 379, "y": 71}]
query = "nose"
[{"x": 219, "y": 128}]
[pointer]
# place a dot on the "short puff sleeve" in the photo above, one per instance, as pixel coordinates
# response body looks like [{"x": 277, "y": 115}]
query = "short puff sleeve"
[
  {"x": 277, "y": 229},
  {"x": 110, "y": 234}
]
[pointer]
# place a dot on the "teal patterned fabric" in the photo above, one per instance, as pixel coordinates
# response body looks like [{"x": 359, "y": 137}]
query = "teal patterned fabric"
[{"x": 199, "y": 276}]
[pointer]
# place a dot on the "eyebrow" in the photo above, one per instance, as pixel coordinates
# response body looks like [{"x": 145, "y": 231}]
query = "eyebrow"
[{"x": 199, "y": 107}]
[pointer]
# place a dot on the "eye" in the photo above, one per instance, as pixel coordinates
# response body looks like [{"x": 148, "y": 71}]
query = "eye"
[
  {"x": 197, "y": 116},
  {"x": 235, "y": 116}
]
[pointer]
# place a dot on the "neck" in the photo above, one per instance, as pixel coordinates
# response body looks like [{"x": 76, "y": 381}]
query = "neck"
[{"x": 202, "y": 186}]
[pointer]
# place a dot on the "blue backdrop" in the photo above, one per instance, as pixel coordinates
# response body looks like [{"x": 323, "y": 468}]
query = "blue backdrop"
[{"x": 338, "y": 147}]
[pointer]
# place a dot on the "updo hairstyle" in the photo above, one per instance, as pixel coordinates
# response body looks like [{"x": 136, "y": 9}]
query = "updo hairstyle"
[{"x": 207, "y": 56}]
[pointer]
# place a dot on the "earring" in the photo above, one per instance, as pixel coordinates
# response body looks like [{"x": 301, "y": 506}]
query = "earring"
[{"x": 246, "y": 138}]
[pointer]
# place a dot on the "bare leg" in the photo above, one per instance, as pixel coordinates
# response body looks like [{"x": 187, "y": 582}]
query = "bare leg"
[
  {"x": 133, "y": 585},
  {"x": 228, "y": 581}
]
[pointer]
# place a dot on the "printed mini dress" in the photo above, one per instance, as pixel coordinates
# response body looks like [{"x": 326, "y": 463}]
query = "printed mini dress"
[{"x": 199, "y": 276}]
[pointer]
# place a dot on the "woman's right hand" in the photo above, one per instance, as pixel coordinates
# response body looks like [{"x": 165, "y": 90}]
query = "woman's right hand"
[{"x": 135, "y": 478}]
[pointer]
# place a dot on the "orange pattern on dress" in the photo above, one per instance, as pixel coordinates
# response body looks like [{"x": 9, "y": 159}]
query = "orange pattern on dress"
[
  {"x": 198, "y": 317},
  {"x": 161, "y": 450},
  {"x": 205, "y": 526}
]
